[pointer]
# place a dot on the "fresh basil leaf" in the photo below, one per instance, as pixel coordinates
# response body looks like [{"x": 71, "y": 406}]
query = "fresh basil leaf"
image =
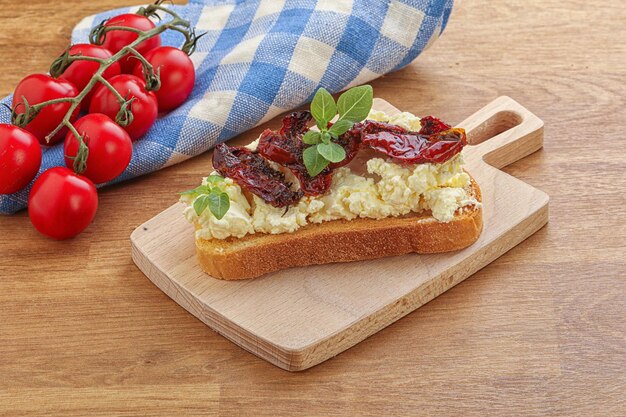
[
  {"x": 214, "y": 179},
  {"x": 323, "y": 108},
  {"x": 332, "y": 151},
  {"x": 202, "y": 189},
  {"x": 355, "y": 104},
  {"x": 189, "y": 192},
  {"x": 313, "y": 161},
  {"x": 312, "y": 137},
  {"x": 340, "y": 127},
  {"x": 219, "y": 203},
  {"x": 201, "y": 203}
]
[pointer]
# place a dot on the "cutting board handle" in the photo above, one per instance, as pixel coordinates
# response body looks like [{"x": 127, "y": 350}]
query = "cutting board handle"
[{"x": 503, "y": 132}]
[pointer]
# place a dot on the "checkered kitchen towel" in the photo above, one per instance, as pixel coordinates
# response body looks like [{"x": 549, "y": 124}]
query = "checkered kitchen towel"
[{"x": 263, "y": 57}]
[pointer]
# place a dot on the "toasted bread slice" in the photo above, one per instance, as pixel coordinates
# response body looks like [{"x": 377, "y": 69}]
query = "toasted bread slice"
[{"x": 352, "y": 240}]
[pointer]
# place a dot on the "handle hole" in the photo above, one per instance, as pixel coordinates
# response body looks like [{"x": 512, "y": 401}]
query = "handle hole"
[{"x": 495, "y": 125}]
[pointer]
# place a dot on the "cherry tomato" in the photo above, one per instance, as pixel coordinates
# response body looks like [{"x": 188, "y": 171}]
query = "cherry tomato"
[
  {"x": 62, "y": 204},
  {"x": 176, "y": 72},
  {"x": 117, "y": 39},
  {"x": 20, "y": 158},
  {"x": 37, "y": 88},
  {"x": 110, "y": 147},
  {"x": 144, "y": 107},
  {"x": 80, "y": 73}
]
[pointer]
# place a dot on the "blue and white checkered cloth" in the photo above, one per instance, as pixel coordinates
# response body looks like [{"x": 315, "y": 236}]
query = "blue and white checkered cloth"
[{"x": 261, "y": 58}]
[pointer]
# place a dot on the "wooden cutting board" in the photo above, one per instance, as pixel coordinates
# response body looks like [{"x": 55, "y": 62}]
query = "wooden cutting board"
[{"x": 300, "y": 317}]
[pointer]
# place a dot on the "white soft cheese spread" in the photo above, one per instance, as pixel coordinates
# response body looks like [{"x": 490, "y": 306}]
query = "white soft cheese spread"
[{"x": 388, "y": 189}]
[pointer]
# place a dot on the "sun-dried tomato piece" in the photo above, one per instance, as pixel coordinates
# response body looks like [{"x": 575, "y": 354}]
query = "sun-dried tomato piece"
[
  {"x": 295, "y": 124},
  {"x": 280, "y": 148},
  {"x": 312, "y": 186},
  {"x": 416, "y": 148},
  {"x": 253, "y": 173},
  {"x": 432, "y": 125},
  {"x": 285, "y": 146},
  {"x": 444, "y": 145},
  {"x": 351, "y": 140},
  {"x": 371, "y": 126}
]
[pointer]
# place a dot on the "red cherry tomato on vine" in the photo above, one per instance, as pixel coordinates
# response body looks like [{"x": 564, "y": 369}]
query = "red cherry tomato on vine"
[
  {"x": 62, "y": 204},
  {"x": 144, "y": 107},
  {"x": 117, "y": 39},
  {"x": 37, "y": 88},
  {"x": 20, "y": 158},
  {"x": 110, "y": 147},
  {"x": 176, "y": 72},
  {"x": 80, "y": 73}
]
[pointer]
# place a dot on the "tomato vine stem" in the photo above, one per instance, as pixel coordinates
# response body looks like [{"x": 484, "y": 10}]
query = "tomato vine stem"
[{"x": 108, "y": 85}]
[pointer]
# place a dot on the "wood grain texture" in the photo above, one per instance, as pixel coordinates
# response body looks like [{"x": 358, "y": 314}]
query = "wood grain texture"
[
  {"x": 540, "y": 331},
  {"x": 298, "y": 317}
]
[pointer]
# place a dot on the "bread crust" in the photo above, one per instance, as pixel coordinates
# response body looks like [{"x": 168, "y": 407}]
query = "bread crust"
[{"x": 352, "y": 240}]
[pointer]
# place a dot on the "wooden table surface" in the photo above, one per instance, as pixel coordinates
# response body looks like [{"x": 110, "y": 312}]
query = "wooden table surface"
[{"x": 541, "y": 331}]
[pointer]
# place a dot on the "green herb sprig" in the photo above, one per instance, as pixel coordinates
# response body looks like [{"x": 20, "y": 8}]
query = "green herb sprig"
[
  {"x": 353, "y": 106},
  {"x": 211, "y": 196}
]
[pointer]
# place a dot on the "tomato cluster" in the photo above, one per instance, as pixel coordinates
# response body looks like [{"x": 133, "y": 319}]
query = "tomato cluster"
[{"x": 63, "y": 200}]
